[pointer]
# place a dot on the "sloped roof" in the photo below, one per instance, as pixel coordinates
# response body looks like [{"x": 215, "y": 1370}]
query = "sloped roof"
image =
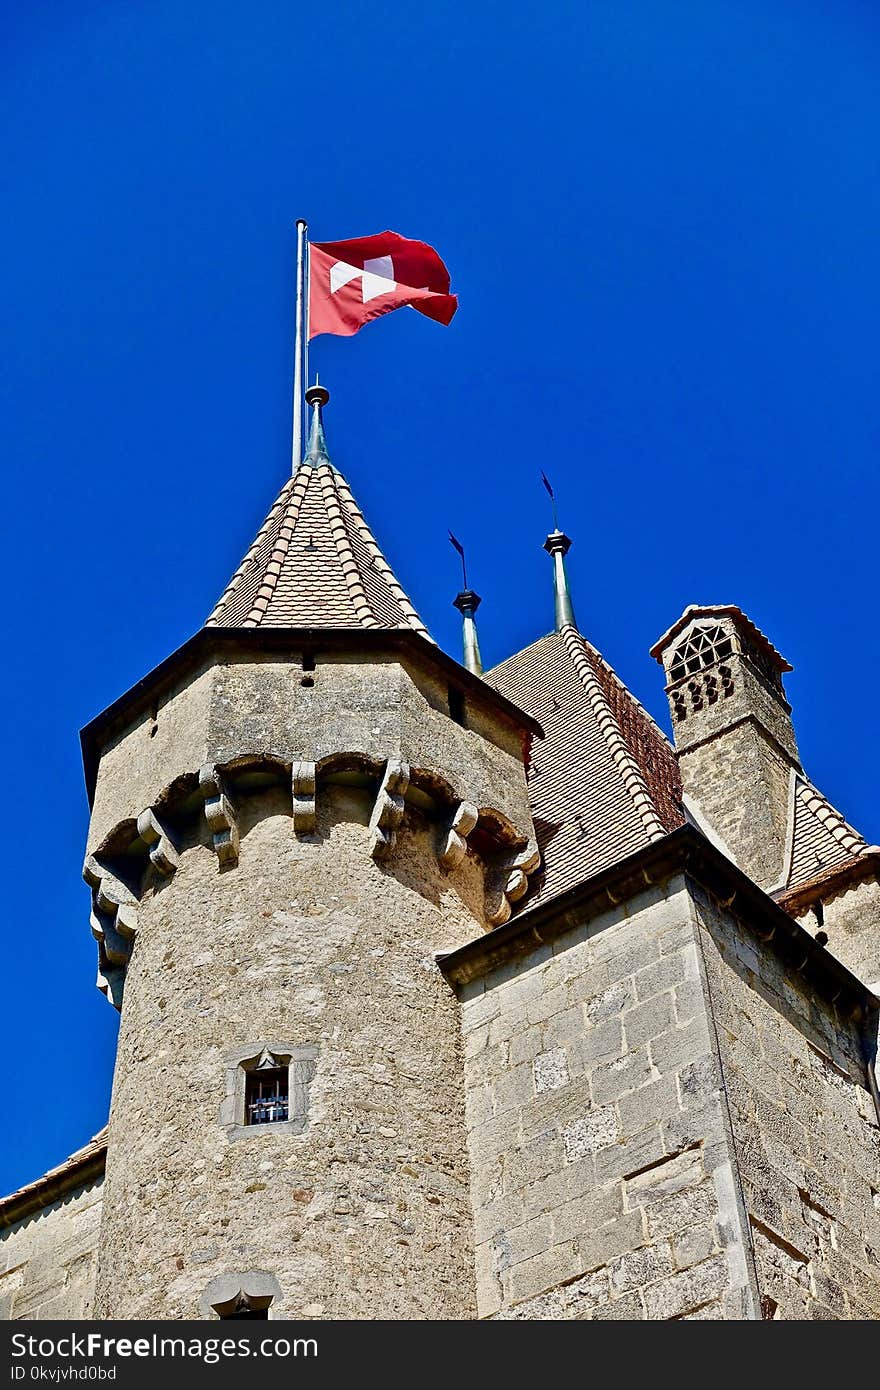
[
  {"x": 315, "y": 562},
  {"x": 86, "y": 1165},
  {"x": 822, "y": 847},
  {"x": 605, "y": 781}
]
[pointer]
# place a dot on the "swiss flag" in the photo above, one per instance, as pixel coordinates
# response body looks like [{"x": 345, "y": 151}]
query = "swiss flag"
[{"x": 352, "y": 282}]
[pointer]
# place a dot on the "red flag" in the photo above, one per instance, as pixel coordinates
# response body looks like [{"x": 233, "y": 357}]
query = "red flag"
[{"x": 352, "y": 282}]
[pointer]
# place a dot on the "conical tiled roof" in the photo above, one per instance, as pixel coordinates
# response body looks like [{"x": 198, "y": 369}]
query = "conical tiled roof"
[{"x": 314, "y": 561}]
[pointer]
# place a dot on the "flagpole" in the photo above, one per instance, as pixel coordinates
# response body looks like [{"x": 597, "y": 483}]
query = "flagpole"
[{"x": 302, "y": 228}]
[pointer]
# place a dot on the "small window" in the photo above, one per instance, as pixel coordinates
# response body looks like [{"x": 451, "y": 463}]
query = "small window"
[
  {"x": 266, "y": 1096},
  {"x": 456, "y": 706}
]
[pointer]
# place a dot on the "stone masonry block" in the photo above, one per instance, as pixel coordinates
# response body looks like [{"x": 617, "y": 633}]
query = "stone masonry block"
[
  {"x": 617, "y": 1078},
  {"x": 660, "y": 976},
  {"x": 640, "y": 1267},
  {"x": 676, "y": 1048},
  {"x": 672, "y": 1297},
  {"x": 648, "y": 1105},
  {"x": 647, "y": 1021},
  {"x": 655, "y": 1182},
  {"x": 550, "y": 1070},
  {"x": 603, "y": 1244},
  {"x": 543, "y": 1271},
  {"x": 594, "y": 1131},
  {"x": 600, "y": 1044}
]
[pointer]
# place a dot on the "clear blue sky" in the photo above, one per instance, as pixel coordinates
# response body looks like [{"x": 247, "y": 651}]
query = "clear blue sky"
[{"x": 662, "y": 222}]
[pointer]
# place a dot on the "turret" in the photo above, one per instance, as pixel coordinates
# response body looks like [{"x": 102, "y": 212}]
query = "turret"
[
  {"x": 291, "y": 817},
  {"x": 733, "y": 733}
]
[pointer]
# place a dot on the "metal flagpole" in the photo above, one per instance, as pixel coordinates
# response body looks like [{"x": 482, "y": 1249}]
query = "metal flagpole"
[
  {"x": 307, "y": 276},
  {"x": 302, "y": 228}
]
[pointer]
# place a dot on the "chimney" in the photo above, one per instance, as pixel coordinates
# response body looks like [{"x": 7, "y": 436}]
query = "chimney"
[{"x": 734, "y": 737}]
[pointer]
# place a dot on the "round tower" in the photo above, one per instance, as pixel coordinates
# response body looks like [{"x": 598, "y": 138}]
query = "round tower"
[{"x": 291, "y": 818}]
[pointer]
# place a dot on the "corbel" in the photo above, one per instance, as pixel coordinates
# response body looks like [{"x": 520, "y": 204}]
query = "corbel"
[
  {"x": 305, "y": 814},
  {"x": 220, "y": 816},
  {"x": 154, "y": 835},
  {"x": 455, "y": 841},
  {"x": 389, "y": 807}
]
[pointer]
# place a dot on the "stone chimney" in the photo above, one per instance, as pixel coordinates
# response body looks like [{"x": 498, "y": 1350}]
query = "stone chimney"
[{"x": 733, "y": 733}]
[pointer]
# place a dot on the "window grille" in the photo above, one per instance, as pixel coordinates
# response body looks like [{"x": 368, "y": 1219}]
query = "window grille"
[
  {"x": 703, "y": 647},
  {"x": 266, "y": 1096}
]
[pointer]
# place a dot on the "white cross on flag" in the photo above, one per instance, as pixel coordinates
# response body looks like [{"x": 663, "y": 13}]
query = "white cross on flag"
[{"x": 352, "y": 282}]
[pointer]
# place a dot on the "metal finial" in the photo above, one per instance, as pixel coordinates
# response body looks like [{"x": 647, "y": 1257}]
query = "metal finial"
[
  {"x": 317, "y": 394},
  {"x": 317, "y": 397}
]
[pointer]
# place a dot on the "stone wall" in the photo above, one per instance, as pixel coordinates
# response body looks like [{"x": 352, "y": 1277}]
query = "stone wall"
[
  {"x": 312, "y": 946},
  {"x": 47, "y": 1260},
  {"x": 852, "y": 922},
  {"x": 740, "y": 782},
  {"x": 601, "y": 1158},
  {"x": 252, "y": 705},
  {"x": 805, "y": 1130}
]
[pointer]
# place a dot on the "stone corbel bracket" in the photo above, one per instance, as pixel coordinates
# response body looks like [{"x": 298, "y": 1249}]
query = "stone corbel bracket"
[
  {"x": 163, "y": 853},
  {"x": 220, "y": 816},
  {"x": 305, "y": 815},
  {"x": 113, "y": 922},
  {"x": 509, "y": 882},
  {"x": 389, "y": 808},
  {"x": 455, "y": 841}
]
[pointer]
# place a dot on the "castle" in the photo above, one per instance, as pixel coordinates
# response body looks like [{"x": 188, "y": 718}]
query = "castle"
[{"x": 454, "y": 995}]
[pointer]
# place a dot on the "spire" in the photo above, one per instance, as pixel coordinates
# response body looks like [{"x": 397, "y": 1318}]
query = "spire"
[
  {"x": 558, "y": 545},
  {"x": 315, "y": 562},
  {"x": 317, "y": 397}
]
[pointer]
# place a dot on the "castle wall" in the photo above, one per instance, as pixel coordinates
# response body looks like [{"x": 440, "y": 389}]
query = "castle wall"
[
  {"x": 805, "y": 1131},
  {"x": 47, "y": 1260},
  {"x": 308, "y": 944},
  {"x": 602, "y": 1174}
]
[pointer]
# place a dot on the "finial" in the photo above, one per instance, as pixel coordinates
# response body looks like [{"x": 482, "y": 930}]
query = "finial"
[
  {"x": 317, "y": 397},
  {"x": 467, "y": 602},
  {"x": 558, "y": 545}
]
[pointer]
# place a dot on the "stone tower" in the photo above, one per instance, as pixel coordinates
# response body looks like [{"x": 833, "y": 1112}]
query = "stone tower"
[{"x": 291, "y": 818}]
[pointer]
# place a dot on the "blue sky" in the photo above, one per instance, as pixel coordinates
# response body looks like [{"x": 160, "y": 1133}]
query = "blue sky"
[{"x": 661, "y": 219}]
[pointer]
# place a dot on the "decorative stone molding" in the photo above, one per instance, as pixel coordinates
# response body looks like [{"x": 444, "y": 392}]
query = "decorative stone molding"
[
  {"x": 234, "y": 1293},
  {"x": 305, "y": 816},
  {"x": 508, "y": 883},
  {"x": 219, "y": 815},
  {"x": 389, "y": 807},
  {"x": 455, "y": 842},
  {"x": 161, "y": 848},
  {"x": 146, "y": 841}
]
